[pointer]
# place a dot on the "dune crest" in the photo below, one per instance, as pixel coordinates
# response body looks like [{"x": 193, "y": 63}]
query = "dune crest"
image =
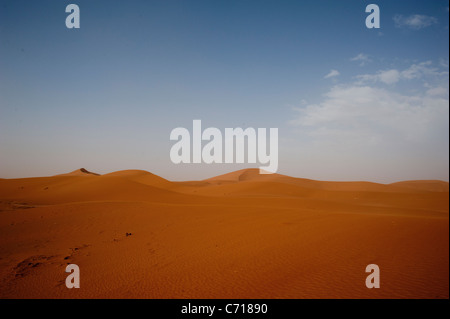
[
  {"x": 79, "y": 172},
  {"x": 431, "y": 186},
  {"x": 248, "y": 174},
  {"x": 142, "y": 177}
]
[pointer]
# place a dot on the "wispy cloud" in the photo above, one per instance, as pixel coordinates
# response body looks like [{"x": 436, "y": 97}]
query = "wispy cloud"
[
  {"x": 362, "y": 58},
  {"x": 415, "y": 21},
  {"x": 392, "y": 76},
  {"x": 385, "y": 76},
  {"x": 368, "y": 126},
  {"x": 359, "y": 120},
  {"x": 373, "y": 111},
  {"x": 438, "y": 91},
  {"x": 331, "y": 74},
  {"x": 380, "y": 128}
]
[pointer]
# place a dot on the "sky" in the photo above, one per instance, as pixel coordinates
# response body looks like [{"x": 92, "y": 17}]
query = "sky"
[{"x": 350, "y": 103}]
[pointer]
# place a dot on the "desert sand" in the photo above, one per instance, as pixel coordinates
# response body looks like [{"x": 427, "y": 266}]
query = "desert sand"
[{"x": 239, "y": 235}]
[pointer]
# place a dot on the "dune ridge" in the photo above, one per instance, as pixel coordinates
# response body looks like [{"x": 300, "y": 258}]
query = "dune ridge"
[
  {"x": 79, "y": 172},
  {"x": 236, "y": 235}
]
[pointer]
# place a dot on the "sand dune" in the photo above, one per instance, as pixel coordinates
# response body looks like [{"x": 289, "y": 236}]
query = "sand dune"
[
  {"x": 432, "y": 186},
  {"x": 79, "y": 172},
  {"x": 238, "y": 235},
  {"x": 247, "y": 175},
  {"x": 143, "y": 177}
]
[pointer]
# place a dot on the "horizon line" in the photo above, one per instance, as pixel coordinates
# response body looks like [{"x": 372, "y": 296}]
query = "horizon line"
[{"x": 87, "y": 173}]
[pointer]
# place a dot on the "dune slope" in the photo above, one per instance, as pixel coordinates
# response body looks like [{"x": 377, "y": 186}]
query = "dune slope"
[{"x": 239, "y": 235}]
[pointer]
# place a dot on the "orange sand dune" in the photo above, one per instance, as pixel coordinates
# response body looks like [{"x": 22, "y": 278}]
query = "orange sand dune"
[
  {"x": 238, "y": 235},
  {"x": 143, "y": 177},
  {"x": 253, "y": 175},
  {"x": 432, "y": 186},
  {"x": 79, "y": 172}
]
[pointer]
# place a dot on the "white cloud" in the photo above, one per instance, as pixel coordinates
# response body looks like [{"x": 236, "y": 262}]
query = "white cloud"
[
  {"x": 438, "y": 91},
  {"x": 366, "y": 131},
  {"x": 416, "y": 71},
  {"x": 332, "y": 74},
  {"x": 387, "y": 77},
  {"x": 362, "y": 58},
  {"x": 364, "y": 121},
  {"x": 392, "y": 76},
  {"x": 415, "y": 21}
]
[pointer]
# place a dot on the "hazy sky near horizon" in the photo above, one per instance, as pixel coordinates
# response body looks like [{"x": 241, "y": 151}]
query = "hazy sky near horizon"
[{"x": 350, "y": 103}]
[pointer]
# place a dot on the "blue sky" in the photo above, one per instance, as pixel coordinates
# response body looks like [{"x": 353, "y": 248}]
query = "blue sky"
[{"x": 106, "y": 96}]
